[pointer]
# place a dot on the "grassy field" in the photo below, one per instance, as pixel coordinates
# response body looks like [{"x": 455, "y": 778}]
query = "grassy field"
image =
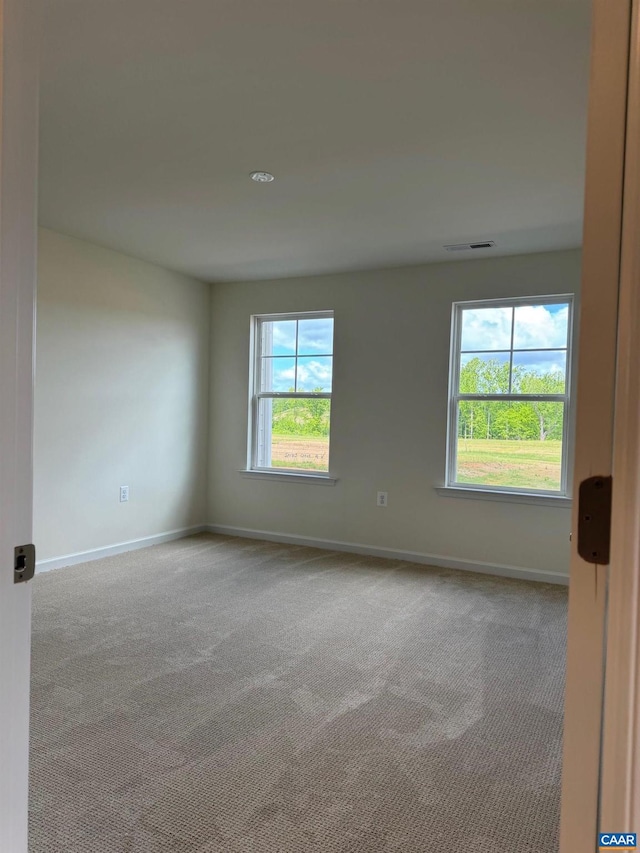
[
  {"x": 300, "y": 452},
  {"x": 486, "y": 462},
  {"x": 520, "y": 464}
]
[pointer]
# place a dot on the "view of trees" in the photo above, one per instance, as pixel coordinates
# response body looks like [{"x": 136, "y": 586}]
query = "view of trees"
[
  {"x": 302, "y": 417},
  {"x": 530, "y": 420},
  {"x": 478, "y": 419}
]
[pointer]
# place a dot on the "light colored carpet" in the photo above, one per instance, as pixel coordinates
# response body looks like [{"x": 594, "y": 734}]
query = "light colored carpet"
[{"x": 222, "y": 695}]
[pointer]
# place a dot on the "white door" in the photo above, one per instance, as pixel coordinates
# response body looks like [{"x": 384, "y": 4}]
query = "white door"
[
  {"x": 18, "y": 166},
  {"x": 609, "y": 300}
]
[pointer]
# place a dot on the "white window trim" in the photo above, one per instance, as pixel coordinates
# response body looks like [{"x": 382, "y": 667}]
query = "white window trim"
[
  {"x": 506, "y": 493},
  {"x": 487, "y": 493},
  {"x": 293, "y": 475},
  {"x": 319, "y": 479}
]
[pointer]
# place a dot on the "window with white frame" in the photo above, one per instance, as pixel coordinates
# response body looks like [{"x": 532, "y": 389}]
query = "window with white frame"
[
  {"x": 291, "y": 392},
  {"x": 509, "y": 395}
]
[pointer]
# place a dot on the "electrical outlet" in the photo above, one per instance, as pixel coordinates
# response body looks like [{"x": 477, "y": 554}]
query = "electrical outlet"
[
  {"x": 383, "y": 499},
  {"x": 124, "y": 493}
]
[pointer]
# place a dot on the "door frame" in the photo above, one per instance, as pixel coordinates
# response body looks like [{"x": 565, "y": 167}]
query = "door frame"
[
  {"x": 620, "y": 782},
  {"x": 596, "y": 795},
  {"x": 18, "y": 230}
]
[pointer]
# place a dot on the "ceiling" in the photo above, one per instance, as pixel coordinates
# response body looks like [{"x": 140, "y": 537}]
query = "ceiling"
[{"x": 392, "y": 126}]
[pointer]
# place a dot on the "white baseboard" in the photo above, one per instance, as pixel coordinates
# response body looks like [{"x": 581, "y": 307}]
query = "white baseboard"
[
  {"x": 292, "y": 539},
  {"x": 120, "y": 548},
  {"x": 392, "y": 554}
]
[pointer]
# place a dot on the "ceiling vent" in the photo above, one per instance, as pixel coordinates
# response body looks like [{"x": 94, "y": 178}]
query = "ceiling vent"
[{"x": 465, "y": 247}]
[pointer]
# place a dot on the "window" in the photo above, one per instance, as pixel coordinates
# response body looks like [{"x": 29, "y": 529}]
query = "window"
[
  {"x": 509, "y": 395},
  {"x": 291, "y": 393}
]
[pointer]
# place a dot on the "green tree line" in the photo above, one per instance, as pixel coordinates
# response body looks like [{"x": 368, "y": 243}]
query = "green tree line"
[
  {"x": 308, "y": 416},
  {"x": 526, "y": 420},
  {"x": 531, "y": 420}
]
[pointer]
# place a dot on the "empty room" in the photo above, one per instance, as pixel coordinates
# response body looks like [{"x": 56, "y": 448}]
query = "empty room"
[{"x": 306, "y": 363}]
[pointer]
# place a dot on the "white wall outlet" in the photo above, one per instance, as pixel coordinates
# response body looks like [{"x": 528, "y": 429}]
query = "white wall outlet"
[
  {"x": 383, "y": 499},
  {"x": 124, "y": 493}
]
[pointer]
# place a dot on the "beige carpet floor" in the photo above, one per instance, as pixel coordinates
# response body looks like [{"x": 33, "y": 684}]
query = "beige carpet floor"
[{"x": 222, "y": 695}]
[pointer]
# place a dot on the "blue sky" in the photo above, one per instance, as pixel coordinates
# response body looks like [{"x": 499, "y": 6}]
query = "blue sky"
[
  {"x": 535, "y": 327},
  {"x": 315, "y": 336}
]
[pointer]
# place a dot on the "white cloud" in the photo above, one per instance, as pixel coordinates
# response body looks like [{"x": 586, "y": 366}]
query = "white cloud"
[
  {"x": 278, "y": 374},
  {"x": 538, "y": 327},
  {"x": 284, "y": 336},
  {"x": 486, "y": 328},
  {"x": 541, "y": 362},
  {"x": 314, "y": 374},
  {"x": 315, "y": 336},
  {"x": 535, "y": 327}
]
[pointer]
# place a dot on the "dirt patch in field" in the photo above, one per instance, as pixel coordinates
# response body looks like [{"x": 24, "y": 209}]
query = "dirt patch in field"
[{"x": 300, "y": 452}]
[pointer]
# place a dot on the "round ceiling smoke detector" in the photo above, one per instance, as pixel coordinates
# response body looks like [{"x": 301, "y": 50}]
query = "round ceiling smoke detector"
[{"x": 262, "y": 177}]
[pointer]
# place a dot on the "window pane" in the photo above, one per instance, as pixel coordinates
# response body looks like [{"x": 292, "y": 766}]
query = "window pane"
[
  {"x": 314, "y": 374},
  {"x": 278, "y": 374},
  {"x": 539, "y": 372},
  {"x": 486, "y": 329},
  {"x": 279, "y": 337},
  {"x": 315, "y": 336},
  {"x": 484, "y": 373},
  {"x": 516, "y": 445},
  {"x": 540, "y": 326},
  {"x": 294, "y": 434}
]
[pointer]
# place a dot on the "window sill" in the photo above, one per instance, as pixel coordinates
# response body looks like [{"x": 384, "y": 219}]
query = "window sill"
[
  {"x": 504, "y": 497},
  {"x": 289, "y": 476}
]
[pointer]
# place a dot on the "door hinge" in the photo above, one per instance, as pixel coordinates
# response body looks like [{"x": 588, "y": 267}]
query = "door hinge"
[
  {"x": 24, "y": 563},
  {"x": 594, "y": 520}
]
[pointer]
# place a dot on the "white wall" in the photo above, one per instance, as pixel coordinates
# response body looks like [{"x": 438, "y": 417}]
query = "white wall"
[
  {"x": 121, "y": 398},
  {"x": 388, "y": 427},
  {"x": 124, "y": 396}
]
